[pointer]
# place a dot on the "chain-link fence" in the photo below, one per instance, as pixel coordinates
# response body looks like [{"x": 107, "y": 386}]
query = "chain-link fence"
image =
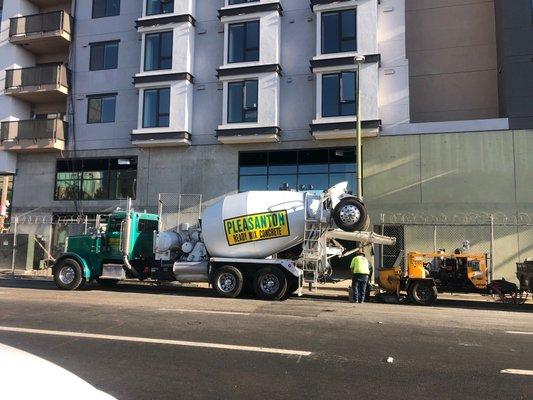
[
  {"x": 176, "y": 209},
  {"x": 33, "y": 241},
  {"x": 505, "y": 240}
]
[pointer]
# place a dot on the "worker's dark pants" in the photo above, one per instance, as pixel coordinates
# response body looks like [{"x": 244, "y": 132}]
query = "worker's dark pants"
[{"x": 359, "y": 282}]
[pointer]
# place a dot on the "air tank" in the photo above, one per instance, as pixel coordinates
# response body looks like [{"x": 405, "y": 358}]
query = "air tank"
[{"x": 254, "y": 224}]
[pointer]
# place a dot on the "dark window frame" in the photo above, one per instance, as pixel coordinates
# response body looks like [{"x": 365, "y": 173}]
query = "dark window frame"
[
  {"x": 246, "y": 49},
  {"x": 95, "y": 45},
  {"x": 245, "y": 109},
  {"x": 330, "y": 172},
  {"x": 340, "y": 31},
  {"x": 101, "y": 97},
  {"x": 74, "y": 162},
  {"x": 159, "y": 50},
  {"x": 107, "y": 10},
  {"x": 159, "y": 114},
  {"x": 340, "y": 101},
  {"x": 160, "y": 11},
  {"x": 234, "y": 2}
]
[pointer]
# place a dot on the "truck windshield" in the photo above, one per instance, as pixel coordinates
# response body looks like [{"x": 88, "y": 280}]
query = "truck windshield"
[{"x": 114, "y": 225}]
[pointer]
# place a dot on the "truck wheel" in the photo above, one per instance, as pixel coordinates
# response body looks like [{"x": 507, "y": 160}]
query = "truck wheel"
[
  {"x": 228, "y": 281},
  {"x": 423, "y": 293},
  {"x": 68, "y": 275},
  {"x": 350, "y": 215},
  {"x": 270, "y": 283}
]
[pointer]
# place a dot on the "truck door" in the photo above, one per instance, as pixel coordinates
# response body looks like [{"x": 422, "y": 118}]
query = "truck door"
[{"x": 112, "y": 243}]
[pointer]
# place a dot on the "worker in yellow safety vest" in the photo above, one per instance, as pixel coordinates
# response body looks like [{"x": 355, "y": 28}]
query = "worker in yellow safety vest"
[{"x": 361, "y": 270}]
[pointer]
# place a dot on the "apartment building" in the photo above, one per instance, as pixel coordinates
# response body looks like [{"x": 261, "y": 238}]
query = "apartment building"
[{"x": 101, "y": 100}]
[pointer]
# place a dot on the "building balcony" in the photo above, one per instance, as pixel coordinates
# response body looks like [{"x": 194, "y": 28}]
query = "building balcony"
[
  {"x": 33, "y": 135},
  {"x": 37, "y": 85},
  {"x": 46, "y": 33}
]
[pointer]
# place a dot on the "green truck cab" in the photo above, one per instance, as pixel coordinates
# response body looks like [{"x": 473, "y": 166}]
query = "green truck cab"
[{"x": 125, "y": 246}]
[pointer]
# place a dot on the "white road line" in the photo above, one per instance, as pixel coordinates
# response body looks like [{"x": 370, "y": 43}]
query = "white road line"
[
  {"x": 517, "y": 371},
  {"x": 158, "y": 341},
  {"x": 181, "y": 310},
  {"x": 519, "y": 333}
]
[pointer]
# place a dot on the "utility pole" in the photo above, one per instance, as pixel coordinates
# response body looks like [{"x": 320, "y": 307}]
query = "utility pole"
[{"x": 359, "y": 152}]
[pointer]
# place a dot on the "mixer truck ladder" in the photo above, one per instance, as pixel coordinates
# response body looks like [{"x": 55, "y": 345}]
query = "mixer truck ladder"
[{"x": 314, "y": 245}]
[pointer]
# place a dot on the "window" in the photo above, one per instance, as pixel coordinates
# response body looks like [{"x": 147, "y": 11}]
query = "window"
[
  {"x": 243, "y": 42},
  {"x": 158, "y": 51},
  {"x": 231, "y": 2},
  {"x": 242, "y": 101},
  {"x": 154, "y": 7},
  {"x": 96, "y": 179},
  {"x": 156, "y": 108},
  {"x": 106, "y": 8},
  {"x": 104, "y": 55},
  {"x": 338, "y": 94},
  {"x": 101, "y": 109},
  {"x": 302, "y": 170},
  {"x": 339, "y": 31}
]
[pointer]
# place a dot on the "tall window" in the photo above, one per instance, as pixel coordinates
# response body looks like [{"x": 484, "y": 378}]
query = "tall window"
[
  {"x": 101, "y": 109},
  {"x": 243, "y": 42},
  {"x": 158, "y": 51},
  {"x": 96, "y": 179},
  {"x": 339, "y": 31},
  {"x": 156, "y": 108},
  {"x": 104, "y": 55},
  {"x": 302, "y": 170},
  {"x": 106, "y": 8},
  {"x": 154, "y": 7},
  {"x": 242, "y": 101},
  {"x": 338, "y": 94}
]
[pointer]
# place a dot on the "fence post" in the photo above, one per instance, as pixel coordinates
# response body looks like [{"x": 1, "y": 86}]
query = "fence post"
[
  {"x": 14, "y": 253},
  {"x": 85, "y": 225},
  {"x": 491, "y": 265},
  {"x": 434, "y": 238}
]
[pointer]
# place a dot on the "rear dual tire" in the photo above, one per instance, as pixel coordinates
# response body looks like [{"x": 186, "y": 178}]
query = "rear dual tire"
[{"x": 269, "y": 283}]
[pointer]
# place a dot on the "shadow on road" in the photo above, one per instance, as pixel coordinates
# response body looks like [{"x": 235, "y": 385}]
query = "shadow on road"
[{"x": 175, "y": 290}]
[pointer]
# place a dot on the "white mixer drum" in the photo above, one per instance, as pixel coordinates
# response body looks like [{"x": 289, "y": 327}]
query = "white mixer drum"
[{"x": 254, "y": 224}]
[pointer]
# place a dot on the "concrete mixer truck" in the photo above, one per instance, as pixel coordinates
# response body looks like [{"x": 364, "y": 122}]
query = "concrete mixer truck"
[{"x": 267, "y": 242}]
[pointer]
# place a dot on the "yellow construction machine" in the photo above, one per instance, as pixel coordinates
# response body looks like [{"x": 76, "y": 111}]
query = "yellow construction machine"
[{"x": 426, "y": 274}]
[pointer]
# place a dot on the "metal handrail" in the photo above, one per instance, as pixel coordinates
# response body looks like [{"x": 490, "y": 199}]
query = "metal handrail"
[
  {"x": 37, "y": 76},
  {"x": 39, "y": 23},
  {"x": 35, "y": 129}
]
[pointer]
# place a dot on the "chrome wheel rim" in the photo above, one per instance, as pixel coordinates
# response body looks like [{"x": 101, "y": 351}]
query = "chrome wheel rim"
[
  {"x": 67, "y": 275},
  {"x": 350, "y": 214},
  {"x": 227, "y": 282},
  {"x": 269, "y": 283}
]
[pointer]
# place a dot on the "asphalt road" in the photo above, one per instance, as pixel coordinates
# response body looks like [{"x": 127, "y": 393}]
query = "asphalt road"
[{"x": 157, "y": 343}]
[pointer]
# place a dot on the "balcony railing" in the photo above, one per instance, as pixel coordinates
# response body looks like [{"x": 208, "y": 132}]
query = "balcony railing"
[
  {"x": 33, "y": 130},
  {"x": 36, "y": 78},
  {"x": 40, "y": 24}
]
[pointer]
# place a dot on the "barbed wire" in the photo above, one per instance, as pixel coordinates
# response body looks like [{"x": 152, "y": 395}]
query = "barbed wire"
[{"x": 466, "y": 218}]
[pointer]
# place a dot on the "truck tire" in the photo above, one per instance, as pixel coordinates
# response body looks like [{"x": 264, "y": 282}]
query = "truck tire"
[
  {"x": 351, "y": 215},
  {"x": 292, "y": 286},
  {"x": 68, "y": 274},
  {"x": 270, "y": 283},
  {"x": 422, "y": 293},
  {"x": 228, "y": 281}
]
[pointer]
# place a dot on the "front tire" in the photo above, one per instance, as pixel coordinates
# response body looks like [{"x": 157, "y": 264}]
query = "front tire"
[
  {"x": 351, "y": 215},
  {"x": 228, "y": 281},
  {"x": 423, "y": 293},
  {"x": 68, "y": 274},
  {"x": 270, "y": 283}
]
